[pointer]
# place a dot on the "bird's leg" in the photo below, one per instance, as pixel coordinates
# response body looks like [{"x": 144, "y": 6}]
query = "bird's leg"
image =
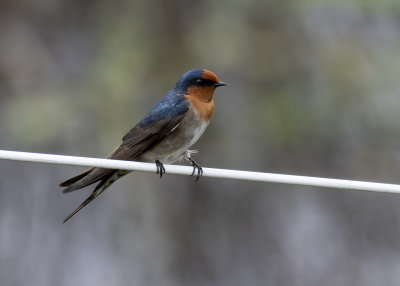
[
  {"x": 194, "y": 164},
  {"x": 160, "y": 168}
]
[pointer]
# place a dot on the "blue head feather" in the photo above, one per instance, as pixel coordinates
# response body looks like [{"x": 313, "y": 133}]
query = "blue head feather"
[
  {"x": 188, "y": 79},
  {"x": 173, "y": 103}
]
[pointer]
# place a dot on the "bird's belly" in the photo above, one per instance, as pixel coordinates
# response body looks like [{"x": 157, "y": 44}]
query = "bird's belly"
[{"x": 172, "y": 148}]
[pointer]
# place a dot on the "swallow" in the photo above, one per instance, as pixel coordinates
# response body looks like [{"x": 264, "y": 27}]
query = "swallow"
[{"x": 163, "y": 136}]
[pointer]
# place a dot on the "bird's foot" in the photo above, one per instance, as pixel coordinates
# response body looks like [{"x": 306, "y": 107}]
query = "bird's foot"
[
  {"x": 196, "y": 167},
  {"x": 160, "y": 168}
]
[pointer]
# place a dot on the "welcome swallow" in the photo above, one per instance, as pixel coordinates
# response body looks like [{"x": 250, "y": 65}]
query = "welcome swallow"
[{"x": 164, "y": 135}]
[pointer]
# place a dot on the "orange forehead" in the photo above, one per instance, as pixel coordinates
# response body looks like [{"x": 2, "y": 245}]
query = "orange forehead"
[{"x": 209, "y": 75}]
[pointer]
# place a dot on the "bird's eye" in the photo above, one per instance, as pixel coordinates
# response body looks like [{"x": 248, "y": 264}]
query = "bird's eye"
[{"x": 199, "y": 81}]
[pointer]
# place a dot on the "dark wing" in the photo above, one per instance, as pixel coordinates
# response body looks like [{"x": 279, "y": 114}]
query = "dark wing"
[
  {"x": 135, "y": 143},
  {"x": 76, "y": 178}
]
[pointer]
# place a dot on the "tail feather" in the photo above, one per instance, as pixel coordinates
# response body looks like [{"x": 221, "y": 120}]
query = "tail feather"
[
  {"x": 101, "y": 187},
  {"x": 85, "y": 202}
]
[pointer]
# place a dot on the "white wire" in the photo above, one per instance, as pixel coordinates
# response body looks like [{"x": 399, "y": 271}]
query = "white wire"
[{"x": 207, "y": 172}]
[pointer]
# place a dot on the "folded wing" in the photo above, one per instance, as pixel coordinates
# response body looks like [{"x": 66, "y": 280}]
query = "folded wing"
[{"x": 135, "y": 143}]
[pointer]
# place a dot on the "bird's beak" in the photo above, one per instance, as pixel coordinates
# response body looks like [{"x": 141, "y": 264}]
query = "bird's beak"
[{"x": 220, "y": 83}]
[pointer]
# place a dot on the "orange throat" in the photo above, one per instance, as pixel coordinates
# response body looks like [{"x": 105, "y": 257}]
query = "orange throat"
[{"x": 202, "y": 100}]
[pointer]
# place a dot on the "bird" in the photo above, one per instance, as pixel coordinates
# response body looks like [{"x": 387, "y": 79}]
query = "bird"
[{"x": 163, "y": 136}]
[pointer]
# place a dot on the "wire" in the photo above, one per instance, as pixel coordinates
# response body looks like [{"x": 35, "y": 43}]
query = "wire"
[{"x": 207, "y": 172}]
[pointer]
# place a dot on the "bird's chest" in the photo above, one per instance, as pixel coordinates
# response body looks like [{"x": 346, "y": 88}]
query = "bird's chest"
[
  {"x": 190, "y": 129},
  {"x": 180, "y": 139}
]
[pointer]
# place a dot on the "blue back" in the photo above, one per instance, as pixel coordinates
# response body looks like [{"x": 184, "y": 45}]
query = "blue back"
[{"x": 169, "y": 106}]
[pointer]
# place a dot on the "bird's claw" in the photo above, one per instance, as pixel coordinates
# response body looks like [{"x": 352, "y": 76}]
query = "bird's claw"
[
  {"x": 160, "y": 168},
  {"x": 196, "y": 167}
]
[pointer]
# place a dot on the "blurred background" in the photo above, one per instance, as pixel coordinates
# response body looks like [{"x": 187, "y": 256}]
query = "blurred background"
[{"x": 313, "y": 89}]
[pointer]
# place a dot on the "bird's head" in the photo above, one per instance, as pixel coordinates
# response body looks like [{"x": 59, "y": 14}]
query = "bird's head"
[{"x": 200, "y": 83}]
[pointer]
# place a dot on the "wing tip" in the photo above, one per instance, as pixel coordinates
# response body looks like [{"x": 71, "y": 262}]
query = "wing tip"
[
  {"x": 63, "y": 184},
  {"x": 71, "y": 181},
  {"x": 68, "y": 190}
]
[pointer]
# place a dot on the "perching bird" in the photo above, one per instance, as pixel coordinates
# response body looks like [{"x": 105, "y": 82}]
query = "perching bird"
[{"x": 174, "y": 124}]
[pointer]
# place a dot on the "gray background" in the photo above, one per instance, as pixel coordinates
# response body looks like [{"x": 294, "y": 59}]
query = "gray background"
[{"x": 313, "y": 89}]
